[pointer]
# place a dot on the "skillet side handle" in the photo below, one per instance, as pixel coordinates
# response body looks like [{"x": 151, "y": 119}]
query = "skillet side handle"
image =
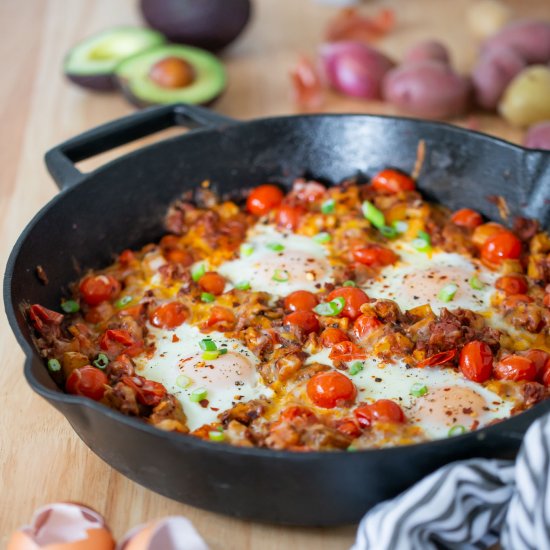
[{"x": 61, "y": 159}]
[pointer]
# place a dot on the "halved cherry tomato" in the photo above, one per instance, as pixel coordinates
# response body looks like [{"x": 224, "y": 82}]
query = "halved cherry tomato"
[
  {"x": 99, "y": 288},
  {"x": 515, "y": 367},
  {"x": 365, "y": 324},
  {"x": 301, "y": 300},
  {"x": 437, "y": 359},
  {"x": 331, "y": 336},
  {"x": 546, "y": 374},
  {"x": 349, "y": 427},
  {"x": 485, "y": 231},
  {"x": 148, "y": 392},
  {"x": 476, "y": 361},
  {"x": 289, "y": 216},
  {"x": 263, "y": 199},
  {"x": 539, "y": 358},
  {"x": 126, "y": 257},
  {"x": 40, "y": 315},
  {"x": 502, "y": 246},
  {"x": 354, "y": 298},
  {"x": 293, "y": 412},
  {"x": 512, "y": 284},
  {"x": 114, "y": 341},
  {"x": 87, "y": 381},
  {"x": 392, "y": 181},
  {"x": 347, "y": 351},
  {"x": 466, "y": 217},
  {"x": 515, "y": 299},
  {"x": 212, "y": 282},
  {"x": 170, "y": 315},
  {"x": 308, "y": 191},
  {"x": 383, "y": 410},
  {"x": 306, "y": 320},
  {"x": 330, "y": 388},
  {"x": 546, "y": 300},
  {"x": 178, "y": 256},
  {"x": 221, "y": 319},
  {"x": 374, "y": 254}
]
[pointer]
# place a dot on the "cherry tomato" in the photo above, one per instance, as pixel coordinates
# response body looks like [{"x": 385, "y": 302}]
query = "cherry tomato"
[
  {"x": 546, "y": 374},
  {"x": 512, "y": 284},
  {"x": 306, "y": 320},
  {"x": 437, "y": 359},
  {"x": 289, "y": 216},
  {"x": 263, "y": 199},
  {"x": 308, "y": 191},
  {"x": 354, "y": 298},
  {"x": 466, "y": 217},
  {"x": 170, "y": 315},
  {"x": 221, "y": 319},
  {"x": 349, "y": 427},
  {"x": 212, "y": 282},
  {"x": 40, "y": 315},
  {"x": 502, "y": 246},
  {"x": 126, "y": 257},
  {"x": 99, "y": 288},
  {"x": 177, "y": 256},
  {"x": 87, "y": 381},
  {"x": 539, "y": 358},
  {"x": 148, "y": 392},
  {"x": 375, "y": 254},
  {"x": 383, "y": 410},
  {"x": 546, "y": 300},
  {"x": 365, "y": 324},
  {"x": 114, "y": 341},
  {"x": 515, "y": 299},
  {"x": 392, "y": 181},
  {"x": 331, "y": 336},
  {"x": 294, "y": 412},
  {"x": 301, "y": 300},
  {"x": 515, "y": 367},
  {"x": 346, "y": 351},
  {"x": 484, "y": 231},
  {"x": 476, "y": 361},
  {"x": 330, "y": 388}
]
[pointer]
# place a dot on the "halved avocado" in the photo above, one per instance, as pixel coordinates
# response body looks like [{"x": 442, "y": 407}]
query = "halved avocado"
[
  {"x": 92, "y": 62},
  {"x": 171, "y": 74}
]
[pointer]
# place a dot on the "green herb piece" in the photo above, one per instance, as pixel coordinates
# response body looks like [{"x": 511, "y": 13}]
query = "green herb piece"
[
  {"x": 418, "y": 390},
  {"x": 198, "y": 395},
  {"x": 475, "y": 283},
  {"x": 388, "y": 231},
  {"x": 210, "y": 355},
  {"x": 352, "y": 449},
  {"x": 54, "y": 365},
  {"x": 101, "y": 361},
  {"x": 277, "y": 247},
  {"x": 281, "y": 276},
  {"x": 422, "y": 243},
  {"x": 349, "y": 283},
  {"x": 197, "y": 271},
  {"x": 447, "y": 293},
  {"x": 70, "y": 306},
  {"x": 375, "y": 216},
  {"x": 400, "y": 226},
  {"x": 208, "y": 345},
  {"x": 124, "y": 301},
  {"x": 215, "y": 435},
  {"x": 207, "y": 298},
  {"x": 242, "y": 285},
  {"x": 183, "y": 381},
  {"x": 246, "y": 249},
  {"x": 223, "y": 351},
  {"x": 332, "y": 308},
  {"x": 328, "y": 206},
  {"x": 355, "y": 368},
  {"x": 424, "y": 236},
  {"x": 457, "y": 430},
  {"x": 322, "y": 238}
]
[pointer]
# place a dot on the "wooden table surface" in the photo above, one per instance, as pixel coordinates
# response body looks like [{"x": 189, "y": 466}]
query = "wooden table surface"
[{"x": 41, "y": 459}]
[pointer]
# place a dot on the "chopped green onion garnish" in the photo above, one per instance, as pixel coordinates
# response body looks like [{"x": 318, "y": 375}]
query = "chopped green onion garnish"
[
  {"x": 281, "y": 276},
  {"x": 388, "y": 231},
  {"x": 349, "y": 283},
  {"x": 322, "y": 238},
  {"x": 418, "y": 390},
  {"x": 475, "y": 283},
  {"x": 242, "y": 285},
  {"x": 421, "y": 245},
  {"x": 208, "y": 345},
  {"x": 70, "y": 306},
  {"x": 400, "y": 226},
  {"x": 355, "y": 368},
  {"x": 101, "y": 362},
  {"x": 215, "y": 435},
  {"x": 447, "y": 293},
  {"x": 424, "y": 236},
  {"x": 352, "y": 449},
  {"x": 457, "y": 430},
  {"x": 197, "y": 271},
  {"x": 210, "y": 355},
  {"x": 198, "y": 395},
  {"x": 223, "y": 351},
  {"x": 246, "y": 249},
  {"x": 124, "y": 301},
  {"x": 54, "y": 365},
  {"x": 334, "y": 307},
  {"x": 183, "y": 381},
  {"x": 372, "y": 214},
  {"x": 207, "y": 298},
  {"x": 328, "y": 206},
  {"x": 277, "y": 247}
]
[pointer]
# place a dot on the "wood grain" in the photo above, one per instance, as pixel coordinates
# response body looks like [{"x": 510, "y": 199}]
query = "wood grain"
[{"x": 41, "y": 459}]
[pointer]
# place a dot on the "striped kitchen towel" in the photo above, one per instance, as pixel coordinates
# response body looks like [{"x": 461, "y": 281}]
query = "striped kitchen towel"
[{"x": 471, "y": 504}]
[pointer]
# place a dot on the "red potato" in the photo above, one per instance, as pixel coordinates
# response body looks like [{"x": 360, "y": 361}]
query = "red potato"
[
  {"x": 427, "y": 89},
  {"x": 427, "y": 50},
  {"x": 494, "y": 70},
  {"x": 538, "y": 136}
]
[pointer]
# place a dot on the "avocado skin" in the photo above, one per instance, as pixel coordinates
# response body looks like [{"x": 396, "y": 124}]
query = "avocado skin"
[
  {"x": 208, "y": 24},
  {"x": 98, "y": 83}
]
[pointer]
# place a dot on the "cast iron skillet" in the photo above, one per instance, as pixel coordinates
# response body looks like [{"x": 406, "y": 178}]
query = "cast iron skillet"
[{"x": 122, "y": 205}]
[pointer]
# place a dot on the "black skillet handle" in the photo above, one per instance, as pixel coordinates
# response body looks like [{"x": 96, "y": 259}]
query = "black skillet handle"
[{"x": 60, "y": 160}]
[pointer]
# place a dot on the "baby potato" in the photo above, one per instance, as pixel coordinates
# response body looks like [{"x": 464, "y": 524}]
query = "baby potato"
[
  {"x": 486, "y": 17},
  {"x": 526, "y": 100},
  {"x": 426, "y": 50}
]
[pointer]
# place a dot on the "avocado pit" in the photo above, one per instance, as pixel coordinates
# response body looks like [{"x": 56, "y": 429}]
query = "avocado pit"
[{"x": 172, "y": 72}]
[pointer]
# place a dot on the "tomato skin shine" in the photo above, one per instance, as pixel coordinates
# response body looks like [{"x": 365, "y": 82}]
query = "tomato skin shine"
[
  {"x": 301, "y": 300},
  {"x": 331, "y": 388},
  {"x": 263, "y": 199},
  {"x": 99, "y": 288},
  {"x": 383, "y": 410},
  {"x": 87, "y": 381},
  {"x": 512, "y": 284},
  {"x": 392, "y": 181},
  {"x": 289, "y": 217},
  {"x": 354, "y": 298},
  {"x": 476, "y": 361},
  {"x": 375, "y": 254},
  {"x": 306, "y": 320},
  {"x": 212, "y": 282},
  {"x": 332, "y": 336},
  {"x": 170, "y": 315},
  {"x": 466, "y": 217},
  {"x": 515, "y": 367},
  {"x": 499, "y": 247}
]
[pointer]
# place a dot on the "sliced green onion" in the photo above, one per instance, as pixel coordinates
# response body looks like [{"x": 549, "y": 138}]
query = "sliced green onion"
[
  {"x": 198, "y": 395},
  {"x": 421, "y": 245},
  {"x": 54, "y": 365},
  {"x": 277, "y": 247},
  {"x": 242, "y": 285},
  {"x": 447, "y": 293},
  {"x": 101, "y": 361},
  {"x": 457, "y": 430},
  {"x": 352, "y": 449},
  {"x": 208, "y": 345},
  {"x": 124, "y": 301},
  {"x": 349, "y": 283},
  {"x": 400, "y": 226},
  {"x": 183, "y": 381},
  {"x": 197, "y": 271},
  {"x": 388, "y": 231},
  {"x": 223, "y": 351},
  {"x": 207, "y": 298},
  {"x": 375, "y": 216},
  {"x": 210, "y": 355},
  {"x": 424, "y": 236},
  {"x": 418, "y": 390},
  {"x": 215, "y": 435},
  {"x": 246, "y": 249},
  {"x": 475, "y": 283},
  {"x": 334, "y": 307},
  {"x": 70, "y": 306},
  {"x": 281, "y": 276},
  {"x": 328, "y": 206},
  {"x": 355, "y": 368},
  {"x": 322, "y": 237}
]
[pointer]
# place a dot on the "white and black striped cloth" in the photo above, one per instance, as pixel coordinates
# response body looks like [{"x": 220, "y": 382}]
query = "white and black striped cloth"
[{"x": 471, "y": 504}]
